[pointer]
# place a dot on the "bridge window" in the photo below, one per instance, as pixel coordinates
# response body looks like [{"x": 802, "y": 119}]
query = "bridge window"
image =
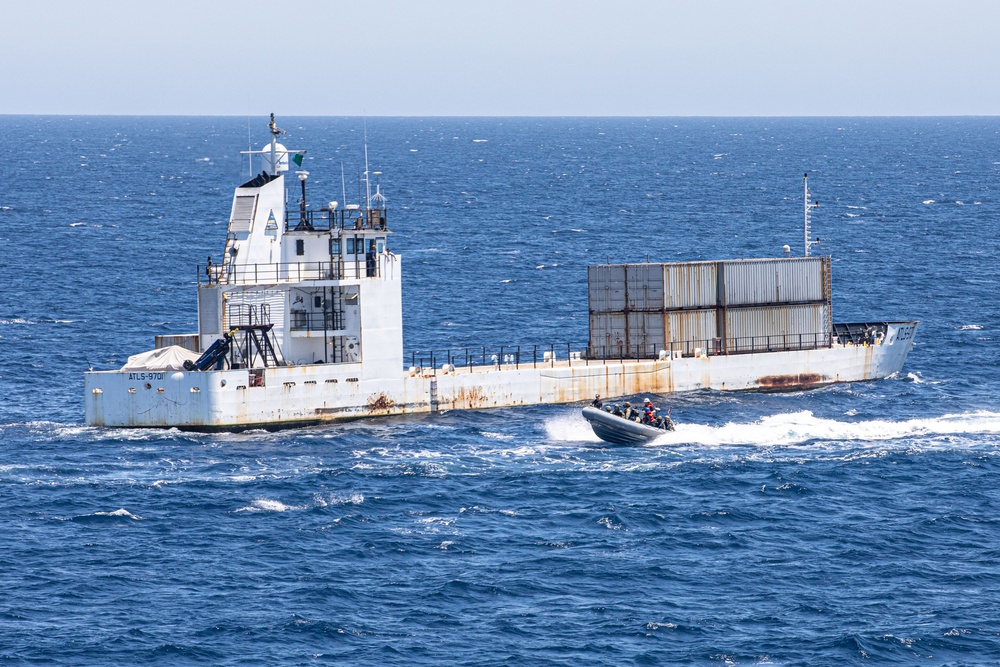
[{"x": 300, "y": 247}]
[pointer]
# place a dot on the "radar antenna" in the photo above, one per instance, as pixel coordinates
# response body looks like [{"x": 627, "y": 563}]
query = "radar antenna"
[{"x": 806, "y": 208}]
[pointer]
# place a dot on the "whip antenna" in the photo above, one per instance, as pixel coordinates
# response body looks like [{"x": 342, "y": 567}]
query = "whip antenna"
[{"x": 806, "y": 208}]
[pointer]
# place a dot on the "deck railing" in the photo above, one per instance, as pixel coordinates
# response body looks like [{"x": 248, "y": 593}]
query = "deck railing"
[
  {"x": 576, "y": 354},
  {"x": 269, "y": 274},
  {"x": 497, "y": 356},
  {"x": 322, "y": 220},
  {"x": 860, "y": 333}
]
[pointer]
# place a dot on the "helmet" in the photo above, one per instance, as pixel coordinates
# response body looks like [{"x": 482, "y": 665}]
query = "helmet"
[
  {"x": 627, "y": 404},
  {"x": 646, "y": 401}
]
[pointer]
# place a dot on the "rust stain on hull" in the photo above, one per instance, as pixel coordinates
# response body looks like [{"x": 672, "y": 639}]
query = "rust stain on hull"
[
  {"x": 379, "y": 403},
  {"x": 471, "y": 398},
  {"x": 782, "y": 382}
]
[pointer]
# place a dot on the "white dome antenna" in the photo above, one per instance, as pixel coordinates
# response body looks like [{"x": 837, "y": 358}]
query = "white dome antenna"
[{"x": 275, "y": 155}]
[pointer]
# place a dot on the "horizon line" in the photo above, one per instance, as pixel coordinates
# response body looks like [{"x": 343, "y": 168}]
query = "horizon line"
[{"x": 531, "y": 116}]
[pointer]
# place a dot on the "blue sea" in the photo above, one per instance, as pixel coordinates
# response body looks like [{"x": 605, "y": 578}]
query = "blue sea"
[{"x": 857, "y": 524}]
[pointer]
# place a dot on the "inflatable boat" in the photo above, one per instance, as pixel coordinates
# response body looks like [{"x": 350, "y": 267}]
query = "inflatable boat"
[{"x": 621, "y": 431}]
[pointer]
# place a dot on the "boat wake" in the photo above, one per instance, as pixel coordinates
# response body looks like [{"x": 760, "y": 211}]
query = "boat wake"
[
  {"x": 797, "y": 428},
  {"x": 570, "y": 428}
]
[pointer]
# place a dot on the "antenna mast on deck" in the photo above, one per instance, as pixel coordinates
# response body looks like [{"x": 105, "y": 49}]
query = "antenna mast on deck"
[
  {"x": 275, "y": 131},
  {"x": 368, "y": 187},
  {"x": 806, "y": 208},
  {"x": 249, "y": 148},
  {"x": 276, "y": 152}
]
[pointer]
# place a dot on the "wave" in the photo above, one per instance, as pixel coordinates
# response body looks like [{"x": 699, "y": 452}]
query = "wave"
[
  {"x": 334, "y": 499},
  {"x": 117, "y": 516},
  {"x": 25, "y": 321},
  {"x": 802, "y": 427},
  {"x": 493, "y": 435},
  {"x": 268, "y": 505},
  {"x": 916, "y": 378}
]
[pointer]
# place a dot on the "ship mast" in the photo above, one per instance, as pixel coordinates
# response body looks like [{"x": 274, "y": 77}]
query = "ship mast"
[
  {"x": 806, "y": 208},
  {"x": 275, "y": 131},
  {"x": 368, "y": 187},
  {"x": 275, "y": 151}
]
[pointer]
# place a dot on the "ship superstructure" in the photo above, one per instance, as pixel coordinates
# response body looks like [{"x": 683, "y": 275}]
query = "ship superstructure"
[{"x": 301, "y": 323}]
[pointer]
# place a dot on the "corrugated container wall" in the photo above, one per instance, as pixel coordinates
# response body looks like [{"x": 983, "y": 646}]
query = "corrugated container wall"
[
  {"x": 638, "y": 309},
  {"x": 689, "y": 285},
  {"x": 644, "y": 287},
  {"x": 689, "y": 329},
  {"x": 645, "y": 332},
  {"x": 775, "y": 281},
  {"x": 607, "y": 334},
  {"x": 606, "y": 288},
  {"x": 187, "y": 341},
  {"x": 761, "y": 328}
]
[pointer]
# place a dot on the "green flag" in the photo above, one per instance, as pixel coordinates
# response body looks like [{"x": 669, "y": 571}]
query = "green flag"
[{"x": 297, "y": 159}]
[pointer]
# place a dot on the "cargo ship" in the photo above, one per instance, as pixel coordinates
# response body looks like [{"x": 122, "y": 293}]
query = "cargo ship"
[{"x": 301, "y": 323}]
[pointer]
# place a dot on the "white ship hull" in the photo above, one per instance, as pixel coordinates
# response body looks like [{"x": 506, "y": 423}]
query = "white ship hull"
[
  {"x": 316, "y": 393},
  {"x": 300, "y": 322}
]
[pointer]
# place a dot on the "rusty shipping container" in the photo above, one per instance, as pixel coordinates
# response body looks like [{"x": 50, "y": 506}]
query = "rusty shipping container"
[
  {"x": 606, "y": 288},
  {"x": 644, "y": 287},
  {"x": 687, "y": 330},
  {"x": 759, "y": 282},
  {"x": 686, "y": 285},
  {"x": 751, "y": 304},
  {"x": 607, "y": 335},
  {"x": 645, "y": 333},
  {"x": 625, "y": 287},
  {"x": 771, "y": 328},
  {"x": 689, "y": 285}
]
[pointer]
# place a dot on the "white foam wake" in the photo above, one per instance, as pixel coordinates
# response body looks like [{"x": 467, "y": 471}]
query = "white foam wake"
[
  {"x": 800, "y": 427},
  {"x": 570, "y": 428}
]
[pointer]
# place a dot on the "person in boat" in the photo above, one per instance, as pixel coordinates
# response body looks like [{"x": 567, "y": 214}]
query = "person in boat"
[
  {"x": 666, "y": 423},
  {"x": 648, "y": 412},
  {"x": 617, "y": 412},
  {"x": 597, "y": 402},
  {"x": 630, "y": 413}
]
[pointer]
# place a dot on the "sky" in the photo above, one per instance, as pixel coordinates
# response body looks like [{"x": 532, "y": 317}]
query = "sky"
[{"x": 502, "y": 57}]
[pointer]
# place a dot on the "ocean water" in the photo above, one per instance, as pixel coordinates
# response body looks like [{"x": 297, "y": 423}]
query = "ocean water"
[{"x": 855, "y": 524}]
